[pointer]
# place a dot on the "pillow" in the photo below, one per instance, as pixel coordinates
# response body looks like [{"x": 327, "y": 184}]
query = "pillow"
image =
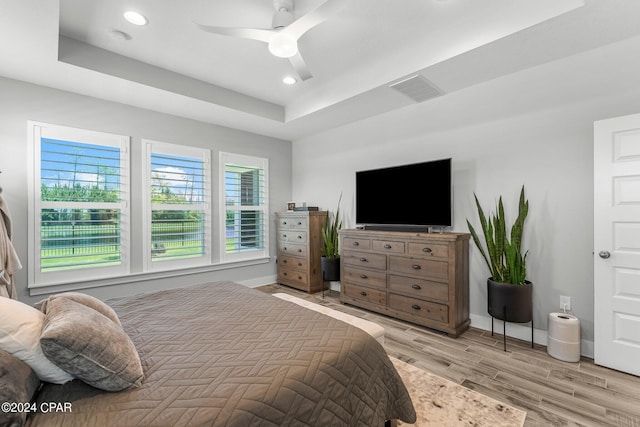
[
  {"x": 89, "y": 346},
  {"x": 18, "y": 384},
  {"x": 84, "y": 299},
  {"x": 20, "y": 327}
]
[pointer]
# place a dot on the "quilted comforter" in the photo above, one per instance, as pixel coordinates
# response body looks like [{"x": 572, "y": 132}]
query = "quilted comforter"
[{"x": 221, "y": 354}]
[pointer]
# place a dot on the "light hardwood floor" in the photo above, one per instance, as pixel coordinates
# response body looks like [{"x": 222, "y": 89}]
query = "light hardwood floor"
[{"x": 552, "y": 392}]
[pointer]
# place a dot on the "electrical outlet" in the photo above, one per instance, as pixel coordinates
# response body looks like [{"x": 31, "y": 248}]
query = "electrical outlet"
[{"x": 565, "y": 302}]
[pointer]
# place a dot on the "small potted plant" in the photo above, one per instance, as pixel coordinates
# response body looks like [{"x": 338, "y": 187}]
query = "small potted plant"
[
  {"x": 330, "y": 261},
  {"x": 510, "y": 295}
]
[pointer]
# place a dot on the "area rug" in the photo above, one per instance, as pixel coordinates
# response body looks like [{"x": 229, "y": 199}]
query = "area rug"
[{"x": 443, "y": 403}]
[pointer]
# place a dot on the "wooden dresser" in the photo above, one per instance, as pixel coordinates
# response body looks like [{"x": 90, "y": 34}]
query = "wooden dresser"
[
  {"x": 419, "y": 277},
  {"x": 300, "y": 248}
]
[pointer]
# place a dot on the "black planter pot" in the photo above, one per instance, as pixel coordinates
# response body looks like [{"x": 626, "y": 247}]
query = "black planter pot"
[
  {"x": 513, "y": 303},
  {"x": 330, "y": 269}
]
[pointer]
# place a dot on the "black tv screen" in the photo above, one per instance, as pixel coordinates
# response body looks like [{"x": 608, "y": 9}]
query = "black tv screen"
[{"x": 410, "y": 195}]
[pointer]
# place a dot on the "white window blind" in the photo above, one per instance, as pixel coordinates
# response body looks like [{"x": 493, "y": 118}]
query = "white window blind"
[
  {"x": 244, "y": 189},
  {"x": 178, "y": 187},
  {"x": 80, "y": 221}
]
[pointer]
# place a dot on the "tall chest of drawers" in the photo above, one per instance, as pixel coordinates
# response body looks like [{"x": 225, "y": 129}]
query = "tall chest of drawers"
[
  {"x": 300, "y": 248},
  {"x": 419, "y": 277}
]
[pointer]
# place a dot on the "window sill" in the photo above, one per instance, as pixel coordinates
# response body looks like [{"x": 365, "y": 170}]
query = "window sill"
[{"x": 49, "y": 288}]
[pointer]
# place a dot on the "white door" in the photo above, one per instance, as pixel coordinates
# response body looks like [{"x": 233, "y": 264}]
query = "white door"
[{"x": 617, "y": 243}]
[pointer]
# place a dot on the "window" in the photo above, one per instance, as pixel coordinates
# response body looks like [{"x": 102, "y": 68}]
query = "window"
[
  {"x": 79, "y": 214},
  {"x": 243, "y": 181},
  {"x": 179, "y": 219}
]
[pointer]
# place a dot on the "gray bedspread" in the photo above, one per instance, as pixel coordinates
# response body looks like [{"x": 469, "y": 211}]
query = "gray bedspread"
[{"x": 221, "y": 354}]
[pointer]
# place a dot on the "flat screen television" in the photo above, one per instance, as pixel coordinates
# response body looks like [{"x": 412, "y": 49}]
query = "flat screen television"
[{"x": 411, "y": 197}]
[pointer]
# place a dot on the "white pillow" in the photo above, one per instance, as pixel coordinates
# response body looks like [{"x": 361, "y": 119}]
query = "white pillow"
[{"x": 20, "y": 329}]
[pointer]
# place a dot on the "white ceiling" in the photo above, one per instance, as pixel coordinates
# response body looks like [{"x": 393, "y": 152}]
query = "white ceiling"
[{"x": 171, "y": 66}]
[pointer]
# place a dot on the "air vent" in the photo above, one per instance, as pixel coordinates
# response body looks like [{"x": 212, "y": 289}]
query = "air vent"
[{"x": 417, "y": 88}]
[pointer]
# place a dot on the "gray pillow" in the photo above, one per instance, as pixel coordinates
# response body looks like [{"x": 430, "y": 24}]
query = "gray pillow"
[
  {"x": 18, "y": 384},
  {"x": 84, "y": 299},
  {"x": 89, "y": 346}
]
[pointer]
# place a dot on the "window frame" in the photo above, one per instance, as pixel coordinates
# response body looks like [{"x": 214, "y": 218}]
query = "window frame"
[
  {"x": 36, "y": 131},
  {"x": 251, "y": 161},
  {"x": 148, "y": 207}
]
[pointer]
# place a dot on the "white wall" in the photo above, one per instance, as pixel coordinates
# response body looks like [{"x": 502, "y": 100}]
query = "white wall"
[
  {"x": 532, "y": 128},
  {"x": 20, "y": 102}
]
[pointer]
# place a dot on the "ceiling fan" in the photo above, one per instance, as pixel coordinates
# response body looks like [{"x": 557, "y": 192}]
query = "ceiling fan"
[{"x": 282, "y": 38}]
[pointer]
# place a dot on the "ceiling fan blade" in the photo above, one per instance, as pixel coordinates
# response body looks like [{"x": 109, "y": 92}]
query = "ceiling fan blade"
[
  {"x": 301, "y": 68},
  {"x": 245, "y": 33},
  {"x": 306, "y": 22}
]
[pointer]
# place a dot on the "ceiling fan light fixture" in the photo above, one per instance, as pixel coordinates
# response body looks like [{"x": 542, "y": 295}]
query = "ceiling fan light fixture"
[
  {"x": 136, "y": 18},
  {"x": 283, "y": 45}
]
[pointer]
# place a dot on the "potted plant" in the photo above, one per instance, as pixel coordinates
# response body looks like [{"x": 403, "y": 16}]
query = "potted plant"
[
  {"x": 509, "y": 294},
  {"x": 330, "y": 261}
]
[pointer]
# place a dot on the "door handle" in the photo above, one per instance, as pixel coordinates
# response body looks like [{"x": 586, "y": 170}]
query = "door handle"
[{"x": 604, "y": 254}]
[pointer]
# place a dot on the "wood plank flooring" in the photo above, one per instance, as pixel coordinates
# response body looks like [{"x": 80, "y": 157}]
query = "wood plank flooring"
[{"x": 554, "y": 393}]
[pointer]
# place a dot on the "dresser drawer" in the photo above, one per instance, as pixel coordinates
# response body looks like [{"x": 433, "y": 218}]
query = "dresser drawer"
[
  {"x": 388, "y": 246},
  {"x": 292, "y": 277},
  {"x": 293, "y": 236},
  {"x": 428, "y": 249},
  {"x": 294, "y": 262},
  {"x": 353, "y": 243},
  {"x": 293, "y": 223},
  {"x": 365, "y": 277},
  {"x": 286, "y": 248},
  {"x": 421, "y": 267},
  {"x": 366, "y": 294},
  {"x": 419, "y": 287},
  {"x": 426, "y": 309},
  {"x": 365, "y": 259}
]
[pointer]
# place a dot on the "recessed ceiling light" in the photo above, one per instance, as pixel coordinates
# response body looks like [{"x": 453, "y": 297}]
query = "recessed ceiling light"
[
  {"x": 135, "y": 18},
  {"x": 288, "y": 80}
]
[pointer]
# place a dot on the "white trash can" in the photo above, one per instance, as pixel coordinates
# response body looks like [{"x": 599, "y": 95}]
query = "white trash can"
[{"x": 563, "y": 337}]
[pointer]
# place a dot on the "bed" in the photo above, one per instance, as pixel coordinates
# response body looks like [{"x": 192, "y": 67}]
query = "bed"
[{"x": 221, "y": 354}]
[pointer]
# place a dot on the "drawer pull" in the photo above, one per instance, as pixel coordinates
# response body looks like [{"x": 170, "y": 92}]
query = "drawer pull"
[
  {"x": 363, "y": 293},
  {"x": 363, "y": 259},
  {"x": 299, "y": 250},
  {"x": 387, "y": 246},
  {"x": 284, "y": 249},
  {"x": 415, "y": 307},
  {"x": 284, "y": 222},
  {"x": 285, "y": 273},
  {"x": 299, "y": 236},
  {"x": 299, "y": 264},
  {"x": 284, "y": 235},
  {"x": 356, "y": 243},
  {"x": 299, "y": 222},
  {"x": 416, "y": 267},
  {"x": 416, "y": 287},
  {"x": 284, "y": 261},
  {"x": 363, "y": 276},
  {"x": 299, "y": 277},
  {"x": 426, "y": 250}
]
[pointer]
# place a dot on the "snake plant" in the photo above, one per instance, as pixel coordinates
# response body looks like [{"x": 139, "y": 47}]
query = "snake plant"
[
  {"x": 503, "y": 253},
  {"x": 330, "y": 235}
]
